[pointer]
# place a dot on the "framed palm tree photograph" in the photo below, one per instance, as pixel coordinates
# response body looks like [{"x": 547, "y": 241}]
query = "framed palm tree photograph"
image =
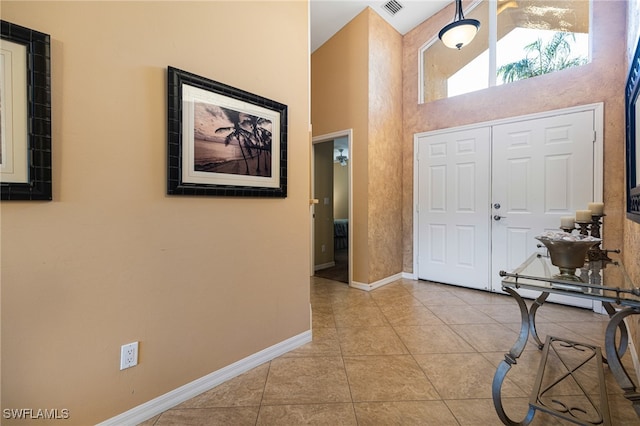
[
  {"x": 224, "y": 141},
  {"x": 25, "y": 114}
]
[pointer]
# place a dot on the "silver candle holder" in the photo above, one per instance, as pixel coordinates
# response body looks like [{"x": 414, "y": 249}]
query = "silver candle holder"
[{"x": 592, "y": 228}]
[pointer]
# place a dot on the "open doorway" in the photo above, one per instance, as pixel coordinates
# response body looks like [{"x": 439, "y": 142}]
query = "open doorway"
[{"x": 331, "y": 242}]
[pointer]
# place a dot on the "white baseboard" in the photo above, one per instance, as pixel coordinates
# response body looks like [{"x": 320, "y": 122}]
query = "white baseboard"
[
  {"x": 324, "y": 266},
  {"x": 377, "y": 284},
  {"x": 177, "y": 396},
  {"x": 409, "y": 276}
]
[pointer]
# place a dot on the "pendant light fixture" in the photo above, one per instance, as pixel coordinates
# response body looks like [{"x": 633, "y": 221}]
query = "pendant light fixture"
[
  {"x": 342, "y": 159},
  {"x": 461, "y": 31}
]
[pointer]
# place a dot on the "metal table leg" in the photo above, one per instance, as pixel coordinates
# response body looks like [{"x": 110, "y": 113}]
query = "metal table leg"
[
  {"x": 532, "y": 318},
  {"x": 613, "y": 357},
  {"x": 624, "y": 336},
  {"x": 509, "y": 360}
]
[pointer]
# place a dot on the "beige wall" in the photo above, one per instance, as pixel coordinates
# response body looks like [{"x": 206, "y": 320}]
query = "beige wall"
[
  {"x": 600, "y": 81},
  {"x": 339, "y": 96},
  {"x": 201, "y": 282},
  {"x": 356, "y": 83}
]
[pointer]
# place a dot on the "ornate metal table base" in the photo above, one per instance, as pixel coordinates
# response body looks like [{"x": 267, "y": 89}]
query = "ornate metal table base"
[
  {"x": 566, "y": 374},
  {"x": 591, "y": 411}
]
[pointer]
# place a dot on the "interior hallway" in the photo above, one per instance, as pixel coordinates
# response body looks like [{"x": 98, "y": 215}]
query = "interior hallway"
[{"x": 409, "y": 353}]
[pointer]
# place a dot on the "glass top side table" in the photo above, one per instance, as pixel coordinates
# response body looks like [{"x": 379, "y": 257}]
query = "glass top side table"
[{"x": 599, "y": 280}]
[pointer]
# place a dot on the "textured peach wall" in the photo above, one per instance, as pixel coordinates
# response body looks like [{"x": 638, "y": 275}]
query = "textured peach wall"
[
  {"x": 631, "y": 248},
  {"x": 600, "y": 81},
  {"x": 339, "y": 99},
  {"x": 385, "y": 150},
  {"x": 356, "y": 83}
]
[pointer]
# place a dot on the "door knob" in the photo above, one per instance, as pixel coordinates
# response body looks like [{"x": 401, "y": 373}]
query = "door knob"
[
  {"x": 498, "y": 217},
  {"x": 496, "y": 206}
]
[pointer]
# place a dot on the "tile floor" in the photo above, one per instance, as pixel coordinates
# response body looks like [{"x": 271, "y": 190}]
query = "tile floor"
[{"x": 409, "y": 353}]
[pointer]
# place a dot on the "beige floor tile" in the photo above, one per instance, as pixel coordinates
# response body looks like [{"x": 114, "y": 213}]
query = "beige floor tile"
[
  {"x": 424, "y": 286},
  {"x": 306, "y": 380},
  {"x": 410, "y": 352},
  {"x": 313, "y": 414},
  {"x": 557, "y": 330},
  {"x": 426, "y": 339},
  {"x": 487, "y": 337},
  {"x": 387, "y": 378},
  {"x": 560, "y": 313},
  {"x": 410, "y": 315},
  {"x": 438, "y": 298},
  {"x": 324, "y": 343},
  {"x": 323, "y": 319},
  {"x": 397, "y": 300},
  {"x": 394, "y": 289},
  {"x": 588, "y": 331},
  {"x": 352, "y": 299},
  {"x": 244, "y": 390},
  {"x": 320, "y": 301},
  {"x": 475, "y": 412},
  {"x": 461, "y": 314},
  {"x": 501, "y": 312},
  {"x": 370, "y": 341},
  {"x": 405, "y": 413},
  {"x": 237, "y": 416},
  {"x": 621, "y": 411},
  {"x": 478, "y": 297},
  {"x": 370, "y": 316},
  {"x": 414, "y": 285},
  {"x": 393, "y": 293},
  {"x": 463, "y": 376}
]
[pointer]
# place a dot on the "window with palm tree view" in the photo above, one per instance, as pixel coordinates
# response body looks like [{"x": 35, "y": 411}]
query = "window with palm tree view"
[{"x": 528, "y": 38}]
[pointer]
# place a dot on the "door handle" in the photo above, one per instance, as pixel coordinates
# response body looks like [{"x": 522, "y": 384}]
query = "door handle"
[
  {"x": 498, "y": 217},
  {"x": 496, "y": 206}
]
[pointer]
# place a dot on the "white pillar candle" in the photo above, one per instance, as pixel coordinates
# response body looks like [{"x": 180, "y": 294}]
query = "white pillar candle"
[
  {"x": 596, "y": 208},
  {"x": 583, "y": 215},
  {"x": 567, "y": 222}
]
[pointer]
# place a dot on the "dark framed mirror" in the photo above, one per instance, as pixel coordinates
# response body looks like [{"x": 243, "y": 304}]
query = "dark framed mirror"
[
  {"x": 632, "y": 116},
  {"x": 25, "y": 114}
]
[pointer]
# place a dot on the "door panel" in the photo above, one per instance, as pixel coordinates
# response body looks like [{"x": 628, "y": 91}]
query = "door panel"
[
  {"x": 542, "y": 170},
  {"x": 453, "y": 208}
]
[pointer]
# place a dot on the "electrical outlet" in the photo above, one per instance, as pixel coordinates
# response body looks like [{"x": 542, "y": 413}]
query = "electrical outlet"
[
  {"x": 324, "y": 248},
  {"x": 128, "y": 355}
]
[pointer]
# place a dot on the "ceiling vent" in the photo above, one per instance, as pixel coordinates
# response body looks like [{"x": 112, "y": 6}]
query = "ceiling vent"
[{"x": 392, "y": 7}]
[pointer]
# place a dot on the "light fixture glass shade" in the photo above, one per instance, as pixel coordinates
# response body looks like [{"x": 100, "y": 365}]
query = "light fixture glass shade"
[{"x": 459, "y": 33}]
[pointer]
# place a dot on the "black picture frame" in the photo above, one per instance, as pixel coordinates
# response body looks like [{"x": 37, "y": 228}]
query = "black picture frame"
[
  {"x": 36, "y": 145},
  {"x": 632, "y": 116},
  {"x": 223, "y": 141}
]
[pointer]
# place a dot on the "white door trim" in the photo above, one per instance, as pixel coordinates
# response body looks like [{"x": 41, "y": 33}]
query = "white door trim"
[
  {"x": 598, "y": 163},
  {"x": 348, "y": 133}
]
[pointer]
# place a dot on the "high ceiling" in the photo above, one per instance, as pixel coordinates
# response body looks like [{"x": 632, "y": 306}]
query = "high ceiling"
[{"x": 329, "y": 16}]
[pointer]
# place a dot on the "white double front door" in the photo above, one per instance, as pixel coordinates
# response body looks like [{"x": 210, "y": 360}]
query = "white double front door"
[{"x": 483, "y": 193}]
